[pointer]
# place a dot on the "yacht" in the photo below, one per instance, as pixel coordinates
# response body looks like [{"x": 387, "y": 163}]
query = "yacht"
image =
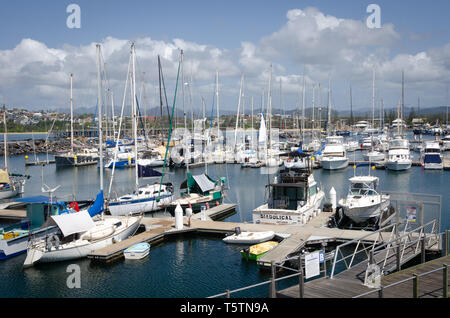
[
  {"x": 198, "y": 191},
  {"x": 296, "y": 159},
  {"x": 431, "y": 156},
  {"x": 446, "y": 143},
  {"x": 80, "y": 233},
  {"x": 363, "y": 201},
  {"x": 399, "y": 157},
  {"x": 334, "y": 156},
  {"x": 147, "y": 199},
  {"x": 293, "y": 198}
]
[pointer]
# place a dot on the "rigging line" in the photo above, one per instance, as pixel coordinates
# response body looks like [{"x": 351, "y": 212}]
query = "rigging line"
[{"x": 170, "y": 132}]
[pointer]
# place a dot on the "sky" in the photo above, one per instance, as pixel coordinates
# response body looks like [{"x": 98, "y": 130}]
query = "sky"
[{"x": 321, "y": 40}]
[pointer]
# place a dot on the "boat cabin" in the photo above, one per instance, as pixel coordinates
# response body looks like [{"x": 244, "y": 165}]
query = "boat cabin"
[
  {"x": 363, "y": 186},
  {"x": 291, "y": 190}
]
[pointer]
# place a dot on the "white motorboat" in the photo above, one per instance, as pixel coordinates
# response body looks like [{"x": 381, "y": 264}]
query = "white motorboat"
[
  {"x": 293, "y": 198},
  {"x": 249, "y": 237},
  {"x": 399, "y": 157},
  {"x": 137, "y": 251},
  {"x": 431, "y": 156},
  {"x": 334, "y": 156},
  {"x": 446, "y": 143},
  {"x": 374, "y": 155},
  {"x": 363, "y": 202}
]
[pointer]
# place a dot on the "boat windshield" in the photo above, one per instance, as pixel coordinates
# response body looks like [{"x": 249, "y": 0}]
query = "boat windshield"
[
  {"x": 399, "y": 143},
  {"x": 363, "y": 189},
  {"x": 287, "y": 197}
]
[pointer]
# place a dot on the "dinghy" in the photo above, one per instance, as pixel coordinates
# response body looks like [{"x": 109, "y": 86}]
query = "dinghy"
[
  {"x": 249, "y": 237},
  {"x": 254, "y": 252},
  {"x": 137, "y": 251}
]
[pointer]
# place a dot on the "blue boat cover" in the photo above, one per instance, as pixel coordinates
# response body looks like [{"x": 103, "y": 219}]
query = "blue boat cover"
[
  {"x": 42, "y": 199},
  {"x": 98, "y": 205},
  {"x": 435, "y": 158},
  {"x": 147, "y": 172}
]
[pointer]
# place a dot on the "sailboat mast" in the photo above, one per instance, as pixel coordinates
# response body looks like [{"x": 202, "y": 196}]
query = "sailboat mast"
[
  {"x": 329, "y": 107},
  {"x": 71, "y": 114},
  {"x": 237, "y": 113},
  {"x": 133, "y": 93},
  {"x": 403, "y": 101},
  {"x": 303, "y": 109},
  {"x": 217, "y": 102},
  {"x": 313, "y": 110},
  {"x": 5, "y": 139},
  {"x": 270, "y": 107},
  {"x": 100, "y": 131}
]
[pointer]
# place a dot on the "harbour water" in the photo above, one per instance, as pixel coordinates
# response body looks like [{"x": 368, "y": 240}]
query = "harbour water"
[{"x": 189, "y": 265}]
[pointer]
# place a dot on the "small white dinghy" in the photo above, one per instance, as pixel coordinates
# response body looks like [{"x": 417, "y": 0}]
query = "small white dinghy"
[
  {"x": 137, "y": 251},
  {"x": 249, "y": 237}
]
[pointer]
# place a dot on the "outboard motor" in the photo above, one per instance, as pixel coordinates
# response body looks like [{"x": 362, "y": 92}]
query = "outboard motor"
[{"x": 237, "y": 230}]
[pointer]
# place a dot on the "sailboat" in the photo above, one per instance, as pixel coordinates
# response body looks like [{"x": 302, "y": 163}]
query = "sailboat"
[
  {"x": 197, "y": 190},
  {"x": 373, "y": 155},
  {"x": 72, "y": 158},
  {"x": 78, "y": 233},
  {"x": 144, "y": 199},
  {"x": 11, "y": 185},
  {"x": 399, "y": 157}
]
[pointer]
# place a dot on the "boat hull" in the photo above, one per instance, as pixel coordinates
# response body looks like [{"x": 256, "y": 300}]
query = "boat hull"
[
  {"x": 398, "y": 165},
  {"x": 79, "y": 251},
  {"x": 361, "y": 214},
  {"x": 334, "y": 163},
  {"x": 138, "y": 206}
]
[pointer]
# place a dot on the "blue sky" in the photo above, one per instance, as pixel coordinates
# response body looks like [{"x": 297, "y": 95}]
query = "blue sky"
[{"x": 416, "y": 26}]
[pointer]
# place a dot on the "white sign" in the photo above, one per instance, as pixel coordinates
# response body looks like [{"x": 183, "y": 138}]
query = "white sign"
[
  {"x": 312, "y": 265},
  {"x": 411, "y": 212}
]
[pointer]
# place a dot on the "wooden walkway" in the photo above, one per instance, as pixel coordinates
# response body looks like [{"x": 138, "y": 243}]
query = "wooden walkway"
[
  {"x": 350, "y": 283},
  {"x": 288, "y": 246}
]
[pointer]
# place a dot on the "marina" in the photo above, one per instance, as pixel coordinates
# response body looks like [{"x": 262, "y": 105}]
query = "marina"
[{"x": 166, "y": 165}]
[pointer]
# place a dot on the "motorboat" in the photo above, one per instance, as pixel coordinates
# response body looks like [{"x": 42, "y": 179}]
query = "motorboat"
[
  {"x": 431, "y": 156},
  {"x": 446, "y": 143},
  {"x": 294, "y": 197},
  {"x": 254, "y": 252},
  {"x": 137, "y": 251},
  {"x": 399, "y": 157},
  {"x": 363, "y": 201},
  {"x": 334, "y": 155},
  {"x": 249, "y": 237}
]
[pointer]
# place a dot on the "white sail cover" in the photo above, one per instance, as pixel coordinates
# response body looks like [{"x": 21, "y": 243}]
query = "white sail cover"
[
  {"x": 71, "y": 223},
  {"x": 262, "y": 130}
]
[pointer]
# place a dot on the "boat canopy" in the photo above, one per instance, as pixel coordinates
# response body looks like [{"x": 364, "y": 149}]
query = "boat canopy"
[
  {"x": 71, "y": 223},
  {"x": 202, "y": 182}
]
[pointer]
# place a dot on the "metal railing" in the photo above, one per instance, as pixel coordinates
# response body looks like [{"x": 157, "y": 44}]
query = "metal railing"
[{"x": 395, "y": 241}]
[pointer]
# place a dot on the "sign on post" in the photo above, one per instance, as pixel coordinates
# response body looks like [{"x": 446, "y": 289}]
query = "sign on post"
[
  {"x": 312, "y": 265},
  {"x": 411, "y": 213}
]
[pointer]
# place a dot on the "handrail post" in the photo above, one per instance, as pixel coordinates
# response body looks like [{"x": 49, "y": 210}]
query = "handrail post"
[
  {"x": 273, "y": 288},
  {"x": 228, "y": 293},
  {"x": 445, "y": 245},
  {"x": 301, "y": 283},
  {"x": 423, "y": 248},
  {"x": 381, "y": 292},
  {"x": 445, "y": 281},
  {"x": 416, "y": 286}
]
